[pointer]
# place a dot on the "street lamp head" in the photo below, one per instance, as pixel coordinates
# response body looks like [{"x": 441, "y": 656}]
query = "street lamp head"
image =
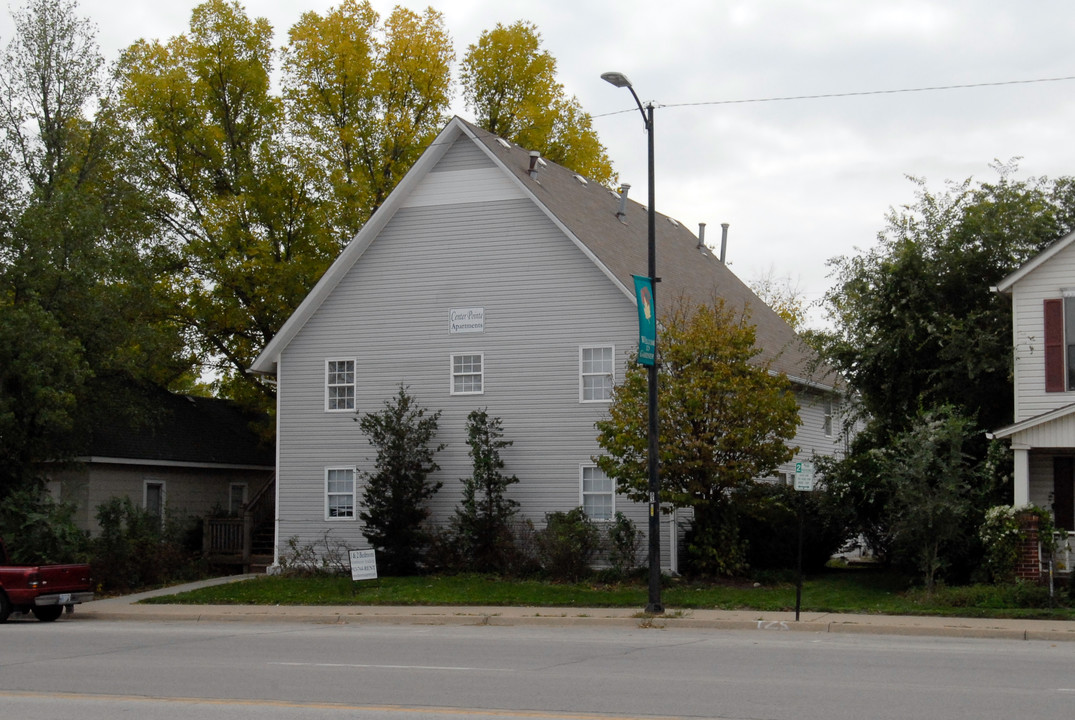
[{"x": 616, "y": 78}]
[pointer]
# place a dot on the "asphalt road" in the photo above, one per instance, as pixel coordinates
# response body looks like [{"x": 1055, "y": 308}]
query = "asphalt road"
[{"x": 165, "y": 670}]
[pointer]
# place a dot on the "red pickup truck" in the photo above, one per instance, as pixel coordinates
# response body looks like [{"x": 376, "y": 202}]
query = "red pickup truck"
[{"x": 44, "y": 590}]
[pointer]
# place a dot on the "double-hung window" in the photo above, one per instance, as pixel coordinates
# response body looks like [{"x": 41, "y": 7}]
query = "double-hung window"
[
  {"x": 468, "y": 374},
  {"x": 340, "y": 385},
  {"x": 596, "y": 366},
  {"x": 339, "y": 493},
  {"x": 598, "y": 493}
]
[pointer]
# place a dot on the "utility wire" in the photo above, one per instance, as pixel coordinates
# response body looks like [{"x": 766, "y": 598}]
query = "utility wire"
[{"x": 849, "y": 94}]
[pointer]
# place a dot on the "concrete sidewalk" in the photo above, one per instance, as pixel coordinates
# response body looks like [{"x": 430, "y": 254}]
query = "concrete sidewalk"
[{"x": 127, "y": 608}]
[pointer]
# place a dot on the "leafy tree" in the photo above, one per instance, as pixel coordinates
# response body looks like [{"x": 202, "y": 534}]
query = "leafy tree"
[
  {"x": 251, "y": 238},
  {"x": 510, "y": 84},
  {"x": 933, "y": 480},
  {"x": 396, "y": 491},
  {"x": 915, "y": 323},
  {"x": 365, "y": 100},
  {"x": 724, "y": 420},
  {"x": 79, "y": 309},
  {"x": 917, "y": 331},
  {"x": 783, "y": 295},
  {"x": 482, "y": 523}
]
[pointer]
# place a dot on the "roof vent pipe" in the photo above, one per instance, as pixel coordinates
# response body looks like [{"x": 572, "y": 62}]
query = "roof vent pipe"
[
  {"x": 534, "y": 156},
  {"x": 622, "y": 212},
  {"x": 701, "y": 235},
  {"x": 723, "y": 240}
]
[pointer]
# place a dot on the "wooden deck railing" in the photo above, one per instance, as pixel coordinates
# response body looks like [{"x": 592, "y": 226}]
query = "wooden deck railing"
[{"x": 229, "y": 540}]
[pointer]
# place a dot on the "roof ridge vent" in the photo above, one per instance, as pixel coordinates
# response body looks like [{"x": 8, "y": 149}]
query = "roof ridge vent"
[
  {"x": 582, "y": 180},
  {"x": 504, "y": 142},
  {"x": 622, "y": 212}
]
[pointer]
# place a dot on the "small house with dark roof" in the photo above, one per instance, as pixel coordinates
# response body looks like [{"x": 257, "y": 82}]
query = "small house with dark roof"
[
  {"x": 188, "y": 456},
  {"x": 490, "y": 279}
]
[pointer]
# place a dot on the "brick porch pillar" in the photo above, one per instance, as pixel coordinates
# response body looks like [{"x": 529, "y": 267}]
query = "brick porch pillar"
[{"x": 1028, "y": 566}]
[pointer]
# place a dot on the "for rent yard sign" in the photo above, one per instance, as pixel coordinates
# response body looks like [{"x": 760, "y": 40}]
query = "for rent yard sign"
[{"x": 363, "y": 564}]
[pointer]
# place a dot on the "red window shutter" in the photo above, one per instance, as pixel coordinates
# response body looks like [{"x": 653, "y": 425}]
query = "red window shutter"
[{"x": 1054, "y": 346}]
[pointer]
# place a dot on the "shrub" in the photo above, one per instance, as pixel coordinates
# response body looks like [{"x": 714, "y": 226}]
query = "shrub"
[
  {"x": 713, "y": 545},
  {"x": 325, "y": 557},
  {"x": 769, "y": 524},
  {"x": 482, "y": 522},
  {"x": 37, "y": 529},
  {"x": 1001, "y": 533},
  {"x": 396, "y": 492},
  {"x": 567, "y": 545},
  {"x": 624, "y": 540},
  {"x": 139, "y": 549}
]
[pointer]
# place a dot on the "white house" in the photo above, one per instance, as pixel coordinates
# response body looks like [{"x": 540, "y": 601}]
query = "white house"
[
  {"x": 493, "y": 279},
  {"x": 1042, "y": 436}
]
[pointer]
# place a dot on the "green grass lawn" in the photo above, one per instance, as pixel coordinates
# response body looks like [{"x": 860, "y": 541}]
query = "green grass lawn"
[{"x": 845, "y": 591}]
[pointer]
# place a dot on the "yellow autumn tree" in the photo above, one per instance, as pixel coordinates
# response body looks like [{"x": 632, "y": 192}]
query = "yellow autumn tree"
[{"x": 510, "y": 84}]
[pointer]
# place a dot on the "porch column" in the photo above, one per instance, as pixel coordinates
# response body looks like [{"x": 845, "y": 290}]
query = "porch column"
[{"x": 1022, "y": 475}]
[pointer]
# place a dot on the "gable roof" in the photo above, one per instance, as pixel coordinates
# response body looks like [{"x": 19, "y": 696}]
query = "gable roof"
[
  {"x": 586, "y": 212},
  {"x": 182, "y": 430},
  {"x": 1035, "y": 422},
  {"x": 1035, "y": 262}
]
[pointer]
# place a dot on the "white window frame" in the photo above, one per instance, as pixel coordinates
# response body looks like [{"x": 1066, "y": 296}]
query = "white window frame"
[
  {"x": 611, "y": 374},
  {"x": 454, "y": 376},
  {"x": 155, "y": 482},
  {"x": 583, "y": 493},
  {"x": 354, "y": 494},
  {"x": 329, "y": 385}
]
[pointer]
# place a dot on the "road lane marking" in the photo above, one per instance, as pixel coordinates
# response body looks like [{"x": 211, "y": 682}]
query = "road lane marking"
[
  {"x": 390, "y": 667},
  {"x": 465, "y": 712}
]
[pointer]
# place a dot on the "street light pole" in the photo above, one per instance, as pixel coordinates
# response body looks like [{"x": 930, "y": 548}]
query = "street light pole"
[{"x": 654, "y": 605}]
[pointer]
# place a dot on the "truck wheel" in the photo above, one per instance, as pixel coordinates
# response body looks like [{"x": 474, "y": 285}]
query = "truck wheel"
[
  {"x": 5, "y": 607},
  {"x": 47, "y": 613}
]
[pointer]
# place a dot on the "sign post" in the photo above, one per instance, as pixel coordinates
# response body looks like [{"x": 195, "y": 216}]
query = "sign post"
[{"x": 804, "y": 482}]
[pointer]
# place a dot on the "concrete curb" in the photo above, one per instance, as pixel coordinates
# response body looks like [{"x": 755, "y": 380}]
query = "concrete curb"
[
  {"x": 1049, "y": 631},
  {"x": 128, "y": 609}
]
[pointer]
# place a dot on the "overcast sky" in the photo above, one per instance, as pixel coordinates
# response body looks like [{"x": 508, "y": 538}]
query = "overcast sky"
[{"x": 799, "y": 181}]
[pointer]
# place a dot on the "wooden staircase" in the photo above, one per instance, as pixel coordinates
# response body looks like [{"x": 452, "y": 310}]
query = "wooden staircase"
[{"x": 246, "y": 541}]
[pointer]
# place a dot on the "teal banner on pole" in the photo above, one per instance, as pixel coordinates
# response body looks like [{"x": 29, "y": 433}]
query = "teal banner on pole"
[{"x": 647, "y": 321}]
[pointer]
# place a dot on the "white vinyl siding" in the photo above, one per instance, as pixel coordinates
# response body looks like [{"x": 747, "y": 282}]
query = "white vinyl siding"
[
  {"x": 598, "y": 493},
  {"x": 340, "y": 385},
  {"x": 339, "y": 493},
  {"x": 468, "y": 375},
  {"x": 396, "y": 298},
  {"x": 1048, "y": 281},
  {"x": 596, "y": 373}
]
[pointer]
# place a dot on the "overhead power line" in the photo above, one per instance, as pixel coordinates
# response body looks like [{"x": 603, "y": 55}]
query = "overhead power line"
[{"x": 850, "y": 94}]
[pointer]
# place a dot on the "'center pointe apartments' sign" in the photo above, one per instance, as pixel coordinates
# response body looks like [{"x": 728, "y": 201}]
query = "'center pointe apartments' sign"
[{"x": 466, "y": 320}]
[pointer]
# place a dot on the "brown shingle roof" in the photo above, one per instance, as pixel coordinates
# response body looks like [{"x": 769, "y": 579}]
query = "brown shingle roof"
[{"x": 588, "y": 210}]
